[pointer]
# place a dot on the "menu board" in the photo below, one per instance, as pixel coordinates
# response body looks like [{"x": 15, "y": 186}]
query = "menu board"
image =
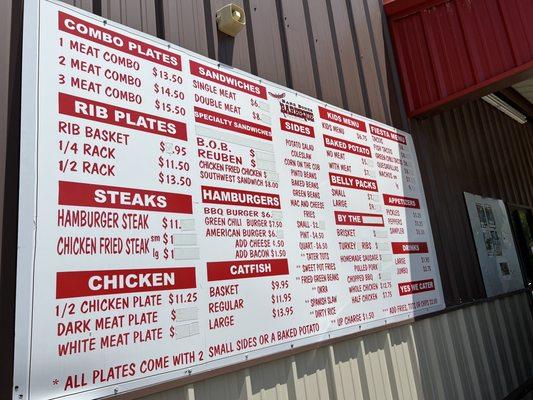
[{"x": 179, "y": 215}]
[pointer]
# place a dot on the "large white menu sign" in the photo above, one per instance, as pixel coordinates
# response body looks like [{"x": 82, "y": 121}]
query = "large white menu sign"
[{"x": 179, "y": 216}]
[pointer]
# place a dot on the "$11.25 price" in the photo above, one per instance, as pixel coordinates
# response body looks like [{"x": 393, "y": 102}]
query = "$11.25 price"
[{"x": 182, "y": 298}]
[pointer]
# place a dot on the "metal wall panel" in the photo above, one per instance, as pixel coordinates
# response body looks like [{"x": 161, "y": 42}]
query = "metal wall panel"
[
  {"x": 87, "y": 5},
  {"x": 449, "y": 48},
  {"x": 5, "y": 49},
  {"x": 474, "y": 148},
  {"x": 138, "y": 14},
  {"x": 10, "y": 52},
  {"x": 184, "y": 23},
  {"x": 369, "y": 59},
  {"x": 479, "y": 352}
]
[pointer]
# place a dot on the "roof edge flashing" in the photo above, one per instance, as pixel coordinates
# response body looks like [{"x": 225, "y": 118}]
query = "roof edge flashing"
[{"x": 401, "y": 8}]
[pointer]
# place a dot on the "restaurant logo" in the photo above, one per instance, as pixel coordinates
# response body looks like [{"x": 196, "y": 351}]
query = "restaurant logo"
[{"x": 289, "y": 108}]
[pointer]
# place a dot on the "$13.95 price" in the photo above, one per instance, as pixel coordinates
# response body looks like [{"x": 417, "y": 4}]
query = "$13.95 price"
[{"x": 282, "y": 312}]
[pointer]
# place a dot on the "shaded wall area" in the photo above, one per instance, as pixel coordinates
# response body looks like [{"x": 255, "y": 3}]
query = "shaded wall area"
[{"x": 473, "y": 148}]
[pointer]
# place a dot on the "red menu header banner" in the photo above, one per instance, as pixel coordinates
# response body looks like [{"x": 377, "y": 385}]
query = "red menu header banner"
[
  {"x": 387, "y": 134},
  {"x": 90, "y": 195},
  {"x": 409, "y": 247},
  {"x": 119, "y": 116},
  {"x": 241, "y": 269},
  {"x": 232, "y": 124},
  {"x": 297, "y": 127},
  {"x": 358, "y": 219},
  {"x": 98, "y": 283},
  {"x": 353, "y": 182},
  {"x": 342, "y": 119},
  {"x": 400, "y": 201},
  {"x": 235, "y": 197},
  {"x": 406, "y": 288},
  {"x": 346, "y": 146},
  {"x": 231, "y": 81},
  {"x": 112, "y": 39}
]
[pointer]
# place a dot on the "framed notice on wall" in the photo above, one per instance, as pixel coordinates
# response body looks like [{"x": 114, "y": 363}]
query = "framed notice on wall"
[
  {"x": 495, "y": 246},
  {"x": 179, "y": 216}
]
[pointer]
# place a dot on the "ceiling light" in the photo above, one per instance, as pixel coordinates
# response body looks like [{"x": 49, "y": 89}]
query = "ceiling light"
[{"x": 505, "y": 108}]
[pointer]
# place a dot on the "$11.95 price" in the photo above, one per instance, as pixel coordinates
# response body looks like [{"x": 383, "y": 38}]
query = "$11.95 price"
[{"x": 281, "y": 298}]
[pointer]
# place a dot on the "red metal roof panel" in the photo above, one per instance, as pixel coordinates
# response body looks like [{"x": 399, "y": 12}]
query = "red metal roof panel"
[{"x": 449, "y": 48}]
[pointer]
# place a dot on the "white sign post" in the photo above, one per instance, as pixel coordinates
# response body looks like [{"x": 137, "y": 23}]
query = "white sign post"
[{"x": 178, "y": 215}]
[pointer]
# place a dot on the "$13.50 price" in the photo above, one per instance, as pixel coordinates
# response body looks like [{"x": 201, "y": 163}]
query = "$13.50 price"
[
  {"x": 170, "y": 179},
  {"x": 167, "y": 76}
]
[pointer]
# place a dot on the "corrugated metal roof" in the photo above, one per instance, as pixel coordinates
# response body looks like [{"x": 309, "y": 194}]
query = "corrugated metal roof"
[{"x": 447, "y": 49}]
